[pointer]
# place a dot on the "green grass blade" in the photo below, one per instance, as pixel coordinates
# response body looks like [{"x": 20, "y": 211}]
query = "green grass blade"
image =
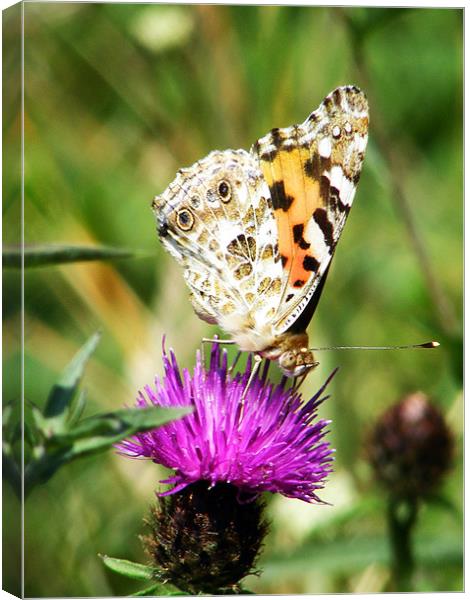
[{"x": 56, "y": 254}]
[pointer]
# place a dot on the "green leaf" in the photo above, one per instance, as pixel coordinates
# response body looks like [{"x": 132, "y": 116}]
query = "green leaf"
[
  {"x": 141, "y": 572},
  {"x": 127, "y": 568},
  {"x": 54, "y": 254},
  {"x": 40, "y": 422},
  {"x": 102, "y": 431},
  {"x": 32, "y": 417},
  {"x": 76, "y": 408},
  {"x": 159, "y": 589},
  {"x": 123, "y": 422},
  {"x": 61, "y": 395},
  {"x": 94, "y": 435},
  {"x": 31, "y": 434},
  {"x": 153, "y": 590}
]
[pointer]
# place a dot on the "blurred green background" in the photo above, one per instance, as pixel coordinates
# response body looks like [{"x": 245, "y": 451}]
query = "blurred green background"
[{"x": 117, "y": 98}]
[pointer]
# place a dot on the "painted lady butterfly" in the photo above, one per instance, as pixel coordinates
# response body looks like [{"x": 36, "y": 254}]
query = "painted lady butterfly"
[{"x": 255, "y": 231}]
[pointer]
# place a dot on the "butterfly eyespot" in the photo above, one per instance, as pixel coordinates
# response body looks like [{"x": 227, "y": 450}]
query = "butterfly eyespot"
[
  {"x": 185, "y": 219},
  {"x": 225, "y": 191},
  {"x": 336, "y": 132},
  {"x": 348, "y": 127},
  {"x": 195, "y": 202}
]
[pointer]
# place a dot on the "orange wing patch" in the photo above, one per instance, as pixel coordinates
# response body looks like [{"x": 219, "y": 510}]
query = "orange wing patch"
[{"x": 296, "y": 196}]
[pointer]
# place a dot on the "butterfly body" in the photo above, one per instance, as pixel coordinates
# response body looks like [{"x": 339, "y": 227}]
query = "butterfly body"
[{"x": 255, "y": 231}]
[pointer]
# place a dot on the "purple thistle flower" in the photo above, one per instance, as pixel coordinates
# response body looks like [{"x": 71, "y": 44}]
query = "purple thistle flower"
[{"x": 273, "y": 442}]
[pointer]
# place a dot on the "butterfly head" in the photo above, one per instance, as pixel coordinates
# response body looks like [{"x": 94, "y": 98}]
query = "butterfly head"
[
  {"x": 294, "y": 363},
  {"x": 291, "y": 352}
]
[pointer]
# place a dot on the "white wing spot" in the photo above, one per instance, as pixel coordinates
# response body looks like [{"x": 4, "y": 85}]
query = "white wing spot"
[
  {"x": 336, "y": 131},
  {"x": 315, "y": 236},
  {"x": 360, "y": 142},
  {"x": 324, "y": 147},
  {"x": 341, "y": 182}
]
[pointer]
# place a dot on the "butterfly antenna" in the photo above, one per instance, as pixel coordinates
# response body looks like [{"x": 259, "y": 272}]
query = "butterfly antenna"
[{"x": 407, "y": 347}]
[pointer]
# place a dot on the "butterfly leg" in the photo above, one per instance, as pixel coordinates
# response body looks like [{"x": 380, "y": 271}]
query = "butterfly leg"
[
  {"x": 257, "y": 359},
  {"x": 234, "y": 363},
  {"x": 213, "y": 340},
  {"x": 298, "y": 382}
]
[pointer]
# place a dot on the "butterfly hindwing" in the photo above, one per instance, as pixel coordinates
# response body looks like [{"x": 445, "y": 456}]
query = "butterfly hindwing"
[{"x": 216, "y": 220}]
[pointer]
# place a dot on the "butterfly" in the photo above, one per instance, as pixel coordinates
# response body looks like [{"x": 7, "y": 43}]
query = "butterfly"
[{"x": 255, "y": 231}]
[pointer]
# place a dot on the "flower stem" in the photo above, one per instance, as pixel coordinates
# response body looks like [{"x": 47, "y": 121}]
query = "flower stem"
[{"x": 402, "y": 515}]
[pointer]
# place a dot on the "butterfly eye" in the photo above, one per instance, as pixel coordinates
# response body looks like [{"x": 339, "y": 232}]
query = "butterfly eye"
[
  {"x": 225, "y": 191},
  {"x": 185, "y": 219},
  {"x": 287, "y": 360}
]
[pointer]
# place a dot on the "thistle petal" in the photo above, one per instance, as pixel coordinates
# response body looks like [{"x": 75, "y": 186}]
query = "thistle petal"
[{"x": 275, "y": 444}]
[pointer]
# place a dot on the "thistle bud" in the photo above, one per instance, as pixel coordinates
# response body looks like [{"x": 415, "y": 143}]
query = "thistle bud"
[
  {"x": 205, "y": 539},
  {"x": 411, "y": 447}
]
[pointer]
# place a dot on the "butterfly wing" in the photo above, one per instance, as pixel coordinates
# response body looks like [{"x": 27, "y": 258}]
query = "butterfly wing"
[
  {"x": 255, "y": 232},
  {"x": 312, "y": 171},
  {"x": 215, "y": 218}
]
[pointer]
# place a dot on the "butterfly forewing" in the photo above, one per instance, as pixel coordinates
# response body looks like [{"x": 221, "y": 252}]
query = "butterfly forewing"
[{"x": 312, "y": 171}]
